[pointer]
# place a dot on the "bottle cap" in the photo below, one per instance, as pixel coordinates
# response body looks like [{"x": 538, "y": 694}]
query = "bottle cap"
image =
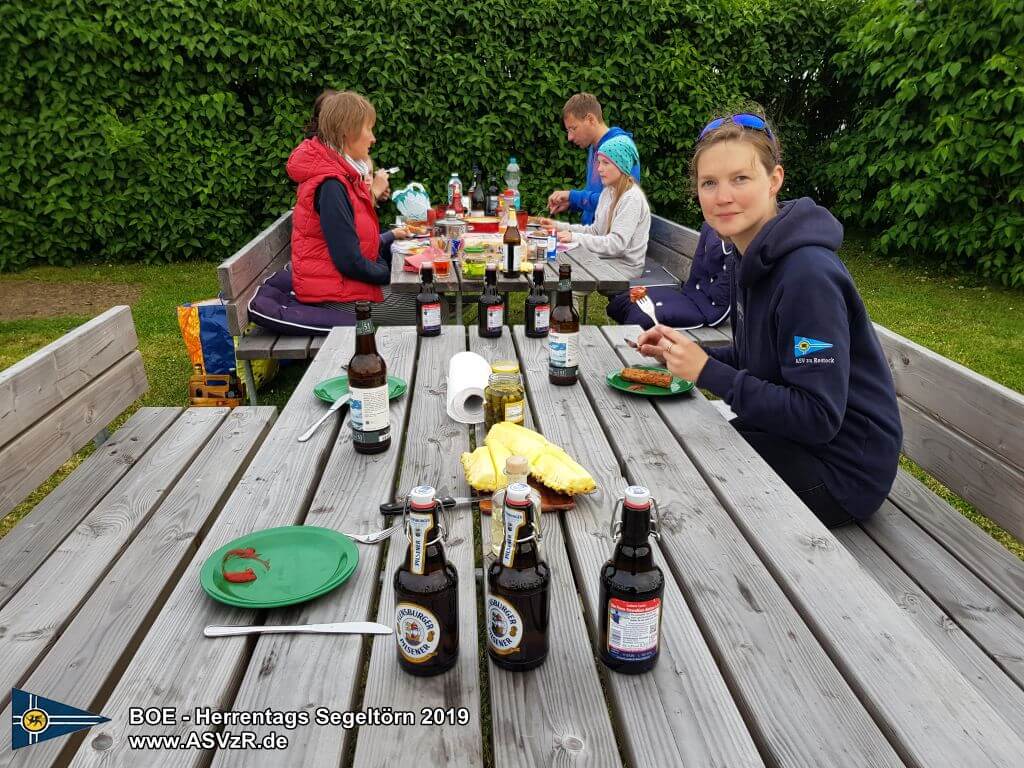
[
  {"x": 517, "y": 493},
  {"x": 422, "y": 497},
  {"x": 504, "y": 366},
  {"x": 517, "y": 465},
  {"x": 638, "y": 497}
]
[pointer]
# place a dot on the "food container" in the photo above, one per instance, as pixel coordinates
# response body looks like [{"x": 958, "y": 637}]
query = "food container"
[
  {"x": 474, "y": 261},
  {"x": 537, "y": 247},
  {"x": 482, "y": 224}
]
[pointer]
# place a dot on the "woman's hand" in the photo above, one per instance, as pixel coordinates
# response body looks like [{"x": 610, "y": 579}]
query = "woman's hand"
[
  {"x": 380, "y": 187},
  {"x": 682, "y": 357},
  {"x": 565, "y": 236}
]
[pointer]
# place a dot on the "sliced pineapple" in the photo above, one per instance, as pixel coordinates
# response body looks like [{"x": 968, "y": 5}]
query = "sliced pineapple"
[
  {"x": 548, "y": 463},
  {"x": 479, "y": 469}
]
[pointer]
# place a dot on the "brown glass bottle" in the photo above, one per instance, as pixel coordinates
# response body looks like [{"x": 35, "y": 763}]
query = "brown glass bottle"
[
  {"x": 426, "y": 593},
  {"x": 631, "y": 593},
  {"x": 369, "y": 414},
  {"x": 563, "y": 338},
  {"x": 490, "y": 306},
  {"x": 518, "y": 604},
  {"x": 428, "y": 304},
  {"x": 538, "y": 307},
  {"x": 512, "y": 245}
]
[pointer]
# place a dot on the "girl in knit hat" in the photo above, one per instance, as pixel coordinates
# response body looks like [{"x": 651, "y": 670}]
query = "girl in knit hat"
[{"x": 622, "y": 223}]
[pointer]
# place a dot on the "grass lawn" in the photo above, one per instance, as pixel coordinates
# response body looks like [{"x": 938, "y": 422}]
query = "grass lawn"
[{"x": 978, "y": 325}]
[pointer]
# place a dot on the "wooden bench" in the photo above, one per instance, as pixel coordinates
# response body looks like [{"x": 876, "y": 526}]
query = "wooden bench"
[
  {"x": 88, "y": 564},
  {"x": 963, "y": 588},
  {"x": 239, "y": 276}
]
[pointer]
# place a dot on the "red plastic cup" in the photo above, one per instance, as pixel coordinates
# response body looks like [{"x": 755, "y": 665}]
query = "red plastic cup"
[
  {"x": 522, "y": 219},
  {"x": 441, "y": 266},
  {"x": 431, "y": 216}
]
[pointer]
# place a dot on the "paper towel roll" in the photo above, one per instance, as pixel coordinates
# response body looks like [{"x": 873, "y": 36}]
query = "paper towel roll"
[{"x": 467, "y": 376}]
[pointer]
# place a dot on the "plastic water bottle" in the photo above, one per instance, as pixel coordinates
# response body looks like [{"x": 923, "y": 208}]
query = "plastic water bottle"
[
  {"x": 551, "y": 253},
  {"x": 454, "y": 186},
  {"x": 512, "y": 180}
]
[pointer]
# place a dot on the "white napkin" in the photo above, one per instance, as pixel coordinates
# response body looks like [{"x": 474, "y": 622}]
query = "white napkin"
[{"x": 467, "y": 376}]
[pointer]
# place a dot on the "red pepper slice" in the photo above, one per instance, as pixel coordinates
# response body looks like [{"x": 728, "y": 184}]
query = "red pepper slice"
[{"x": 241, "y": 577}]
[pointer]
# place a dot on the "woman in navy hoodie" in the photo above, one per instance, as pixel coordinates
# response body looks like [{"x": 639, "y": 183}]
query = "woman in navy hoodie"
[{"x": 805, "y": 375}]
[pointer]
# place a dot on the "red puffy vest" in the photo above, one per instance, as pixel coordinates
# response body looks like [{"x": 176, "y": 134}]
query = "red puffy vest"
[{"x": 314, "y": 276}]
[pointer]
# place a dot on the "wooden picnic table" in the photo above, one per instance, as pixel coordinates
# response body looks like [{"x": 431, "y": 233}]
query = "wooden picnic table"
[
  {"x": 589, "y": 273},
  {"x": 778, "y": 648}
]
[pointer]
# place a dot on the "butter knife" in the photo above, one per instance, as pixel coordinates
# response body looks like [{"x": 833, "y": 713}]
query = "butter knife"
[
  {"x": 334, "y": 407},
  {"x": 343, "y": 628}
]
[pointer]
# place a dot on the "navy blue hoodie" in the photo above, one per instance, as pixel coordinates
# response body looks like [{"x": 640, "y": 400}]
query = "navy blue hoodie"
[{"x": 805, "y": 362}]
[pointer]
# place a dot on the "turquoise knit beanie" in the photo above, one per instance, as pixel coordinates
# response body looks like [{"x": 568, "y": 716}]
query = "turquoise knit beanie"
[{"x": 622, "y": 151}]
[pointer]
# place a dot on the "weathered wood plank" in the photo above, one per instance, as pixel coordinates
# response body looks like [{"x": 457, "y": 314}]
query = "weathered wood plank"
[
  {"x": 237, "y": 273},
  {"x": 986, "y": 411},
  {"x": 995, "y": 488},
  {"x": 756, "y": 637},
  {"x": 931, "y": 715},
  {"x": 33, "y": 387},
  {"x": 679, "y": 264},
  {"x": 713, "y": 337},
  {"x": 38, "y": 452},
  {"x": 675, "y": 236},
  {"x": 302, "y": 672},
  {"x": 566, "y": 688},
  {"x": 403, "y": 281},
  {"x": 175, "y": 665},
  {"x": 315, "y": 343},
  {"x": 32, "y": 540},
  {"x": 255, "y": 345},
  {"x": 39, "y": 611},
  {"x": 115, "y": 616},
  {"x": 973, "y": 663},
  {"x": 291, "y": 348},
  {"x": 1002, "y": 571},
  {"x": 983, "y": 615},
  {"x": 605, "y": 272},
  {"x": 237, "y": 308},
  {"x": 431, "y": 456}
]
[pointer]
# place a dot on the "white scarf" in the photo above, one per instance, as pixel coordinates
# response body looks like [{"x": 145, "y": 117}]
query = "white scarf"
[{"x": 362, "y": 167}]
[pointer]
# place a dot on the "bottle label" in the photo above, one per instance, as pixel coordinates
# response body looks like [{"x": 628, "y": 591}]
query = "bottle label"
[
  {"x": 364, "y": 327},
  {"x": 504, "y": 626},
  {"x": 431, "y": 314},
  {"x": 563, "y": 353},
  {"x": 633, "y": 629},
  {"x": 514, "y": 411},
  {"x": 418, "y": 632},
  {"x": 513, "y": 518},
  {"x": 495, "y": 316},
  {"x": 516, "y": 252},
  {"x": 565, "y": 285},
  {"x": 369, "y": 414},
  {"x": 417, "y": 527},
  {"x": 541, "y": 316}
]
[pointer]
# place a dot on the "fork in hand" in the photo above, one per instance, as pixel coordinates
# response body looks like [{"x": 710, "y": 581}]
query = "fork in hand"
[{"x": 647, "y": 307}]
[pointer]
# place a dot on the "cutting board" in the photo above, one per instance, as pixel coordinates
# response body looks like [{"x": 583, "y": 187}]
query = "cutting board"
[{"x": 550, "y": 500}]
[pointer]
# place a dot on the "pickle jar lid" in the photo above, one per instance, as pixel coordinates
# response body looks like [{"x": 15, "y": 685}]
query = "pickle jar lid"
[{"x": 504, "y": 366}]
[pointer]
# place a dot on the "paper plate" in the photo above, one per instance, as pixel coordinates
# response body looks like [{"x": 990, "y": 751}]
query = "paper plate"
[
  {"x": 331, "y": 389},
  {"x": 303, "y": 562},
  {"x": 677, "y": 387}
]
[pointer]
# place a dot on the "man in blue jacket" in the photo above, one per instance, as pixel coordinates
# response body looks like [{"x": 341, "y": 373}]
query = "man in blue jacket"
[{"x": 585, "y": 126}]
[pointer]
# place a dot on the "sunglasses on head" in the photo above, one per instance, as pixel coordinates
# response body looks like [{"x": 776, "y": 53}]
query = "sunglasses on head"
[{"x": 743, "y": 119}]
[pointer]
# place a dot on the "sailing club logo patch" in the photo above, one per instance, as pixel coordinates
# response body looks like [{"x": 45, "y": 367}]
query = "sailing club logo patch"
[{"x": 803, "y": 346}]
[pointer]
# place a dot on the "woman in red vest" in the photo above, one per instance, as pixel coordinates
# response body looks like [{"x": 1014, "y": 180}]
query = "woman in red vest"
[{"x": 339, "y": 255}]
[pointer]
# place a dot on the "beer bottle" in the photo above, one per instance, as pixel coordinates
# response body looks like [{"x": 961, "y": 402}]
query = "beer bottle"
[
  {"x": 492, "y": 198},
  {"x": 428, "y": 304},
  {"x": 517, "y": 470},
  {"x": 477, "y": 194},
  {"x": 369, "y": 414},
  {"x": 563, "y": 338},
  {"x": 631, "y": 592},
  {"x": 426, "y": 593},
  {"x": 490, "y": 306},
  {"x": 517, "y": 589},
  {"x": 538, "y": 308},
  {"x": 512, "y": 243}
]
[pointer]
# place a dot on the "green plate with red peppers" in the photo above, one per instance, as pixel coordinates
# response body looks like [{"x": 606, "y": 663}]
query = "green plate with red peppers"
[{"x": 279, "y": 566}]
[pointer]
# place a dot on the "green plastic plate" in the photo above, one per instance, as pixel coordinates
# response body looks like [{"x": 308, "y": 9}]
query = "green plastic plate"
[
  {"x": 305, "y": 562},
  {"x": 677, "y": 387},
  {"x": 331, "y": 389}
]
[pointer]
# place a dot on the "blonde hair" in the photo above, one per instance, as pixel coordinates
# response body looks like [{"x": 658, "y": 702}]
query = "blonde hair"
[
  {"x": 342, "y": 116},
  {"x": 620, "y": 187},
  {"x": 767, "y": 149},
  {"x": 582, "y": 104}
]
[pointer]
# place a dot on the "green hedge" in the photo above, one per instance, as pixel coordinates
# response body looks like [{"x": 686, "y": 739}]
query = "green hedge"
[{"x": 934, "y": 153}]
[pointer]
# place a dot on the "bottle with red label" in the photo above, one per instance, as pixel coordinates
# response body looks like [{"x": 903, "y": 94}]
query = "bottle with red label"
[
  {"x": 632, "y": 587},
  {"x": 538, "y": 306},
  {"x": 428, "y": 304},
  {"x": 490, "y": 306}
]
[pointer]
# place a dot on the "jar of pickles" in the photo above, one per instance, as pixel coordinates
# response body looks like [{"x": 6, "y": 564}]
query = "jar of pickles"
[{"x": 504, "y": 396}]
